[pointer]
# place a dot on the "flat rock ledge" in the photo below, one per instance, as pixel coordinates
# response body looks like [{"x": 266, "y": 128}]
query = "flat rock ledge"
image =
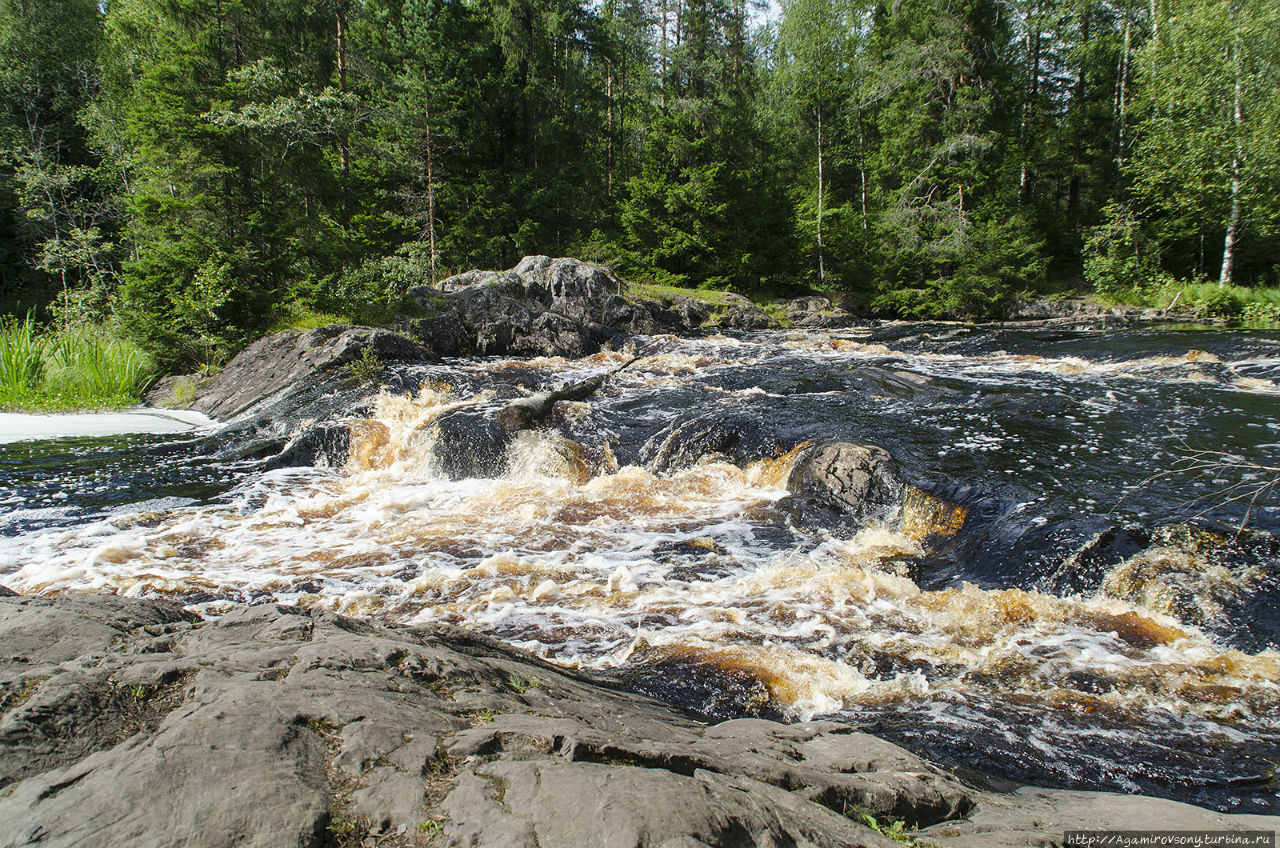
[{"x": 125, "y": 722}]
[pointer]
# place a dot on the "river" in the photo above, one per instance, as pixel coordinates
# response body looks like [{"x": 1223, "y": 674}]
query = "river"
[{"x": 1063, "y": 598}]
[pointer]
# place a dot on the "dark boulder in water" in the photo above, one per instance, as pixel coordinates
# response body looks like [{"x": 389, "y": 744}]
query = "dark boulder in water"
[
  {"x": 739, "y": 437},
  {"x": 855, "y": 479},
  {"x": 320, "y": 444},
  {"x": 470, "y": 442},
  {"x": 283, "y": 369}
]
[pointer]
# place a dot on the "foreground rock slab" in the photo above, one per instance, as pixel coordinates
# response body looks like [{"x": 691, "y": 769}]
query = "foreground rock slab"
[{"x": 127, "y": 723}]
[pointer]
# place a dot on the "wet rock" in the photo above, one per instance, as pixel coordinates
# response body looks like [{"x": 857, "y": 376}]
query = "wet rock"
[
  {"x": 1083, "y": 311},
  {"x": 289, "y": 363},
  {"x": 739, "y": 313},
  {"x": 1026, "y": 817},
  {"x": 816, "y": 311},
  {"x": 858, "y": 480},
  {"x": 279, "y": 726},
  {"x": 323, "y": 444},
  {"x": 736, "y": 437},
  {"x": 471, "y": 443}
]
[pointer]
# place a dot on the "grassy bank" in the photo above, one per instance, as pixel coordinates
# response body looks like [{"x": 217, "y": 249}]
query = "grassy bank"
[
  {"x": 1205, "y": 299},
  {"x": 66, "y": 370}
]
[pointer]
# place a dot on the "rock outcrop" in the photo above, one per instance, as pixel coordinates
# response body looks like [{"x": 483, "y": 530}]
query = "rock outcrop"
[
  {"x": 125, "y": 722},
  {"x": 277, "y": 368},
  {"x": 541, "y": 307}
]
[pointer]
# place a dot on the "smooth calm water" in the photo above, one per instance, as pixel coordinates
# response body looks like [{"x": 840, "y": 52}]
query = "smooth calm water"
[{"x": 1095, "y": 621}]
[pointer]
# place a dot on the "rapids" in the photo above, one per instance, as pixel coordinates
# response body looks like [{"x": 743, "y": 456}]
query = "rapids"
[{"x": 1057, "y": 600}]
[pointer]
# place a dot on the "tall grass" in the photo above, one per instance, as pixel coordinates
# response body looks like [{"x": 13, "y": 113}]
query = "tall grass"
[
  {"x": 1204, "y": 298},
  {"x": 70, "y": 369}
]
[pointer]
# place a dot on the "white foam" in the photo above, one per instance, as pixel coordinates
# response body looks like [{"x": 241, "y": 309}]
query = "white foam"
[{"x": 20, "y": 427}]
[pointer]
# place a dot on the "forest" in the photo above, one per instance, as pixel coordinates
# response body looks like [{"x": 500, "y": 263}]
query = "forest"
[{"x": 192, "y": 173}]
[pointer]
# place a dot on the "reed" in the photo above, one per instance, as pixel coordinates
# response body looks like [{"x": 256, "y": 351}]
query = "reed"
[
  {"x": 82, "y": 368},
  {"x": 21, "y": 358}
]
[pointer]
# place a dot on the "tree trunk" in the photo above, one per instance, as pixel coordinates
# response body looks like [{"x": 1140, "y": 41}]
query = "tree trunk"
[
  {"x": 1233, "y": 223},
  {"x": 822, "y": 267},
  {"x": 344, "y": 151},
  {"x": 862, "y": 168},
  {"x": 431, "y": 200},
  {"x": 662, "y": 57},
  {"x": 608, "y": 168},
  {"x": 1122, "y": 85}
]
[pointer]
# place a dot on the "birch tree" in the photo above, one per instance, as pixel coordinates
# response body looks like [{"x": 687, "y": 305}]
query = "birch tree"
[{"x": 1206, "y": 160}]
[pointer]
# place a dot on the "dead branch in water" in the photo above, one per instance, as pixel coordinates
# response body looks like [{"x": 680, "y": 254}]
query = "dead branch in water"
[
  {"x": 526, "y": 412},
  {"x": 1252, "y": 480}
]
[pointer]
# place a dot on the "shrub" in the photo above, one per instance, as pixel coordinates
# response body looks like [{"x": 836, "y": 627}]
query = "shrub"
[{"x": 1119, "y": 260}]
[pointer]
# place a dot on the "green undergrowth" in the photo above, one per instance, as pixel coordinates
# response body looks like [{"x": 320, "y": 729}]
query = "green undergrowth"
[
  {"x": 1204, "y": 299},
  {"x": 895, "y": 830},
  {"x": 665, "y": 294},
  {"x": 75, "y": 368},
  {"x": 306, "y": 319},
  {"x": 718, "y": 300}
]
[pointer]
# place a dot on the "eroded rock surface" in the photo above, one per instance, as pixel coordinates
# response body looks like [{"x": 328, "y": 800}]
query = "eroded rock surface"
[
  {"x": 126, "y": 723},
  {"x": 857, "y": 479},
  {"x": 273, "y": 368}
]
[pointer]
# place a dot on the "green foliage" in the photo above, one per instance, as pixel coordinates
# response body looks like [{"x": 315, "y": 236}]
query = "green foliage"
[
  {"x": 990, "y": 264},
  {"x": 520, "y": 683},
  {"x": 21, "y": 358},
  {"x": 895, "y": 830},
  {"x": 432, "y": 827},
  {"x": 1260, "y": 314},
  {"x": 1206, "y": 150},
  {"x": 70, "y": 369},
  {"x": 1119, "y": 258},
  {"x": 364, "y": 369},
  {"x": 197, "y": 172}
]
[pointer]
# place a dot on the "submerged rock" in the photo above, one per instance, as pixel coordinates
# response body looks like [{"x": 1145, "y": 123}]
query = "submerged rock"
[
  {"x": 739, "y": 437},
  {"x": 126, "y": 723}
]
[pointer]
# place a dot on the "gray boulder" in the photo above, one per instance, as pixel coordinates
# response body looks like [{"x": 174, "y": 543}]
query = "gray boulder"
[
  {"x": 280, "y": 367},
  {"x": 543, "y": 306},
  {"x": 857, "y": 480}
]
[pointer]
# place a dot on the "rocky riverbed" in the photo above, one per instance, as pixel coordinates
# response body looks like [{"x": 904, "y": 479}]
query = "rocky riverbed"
[
  {"x": 133, "y": 723},
  {"x": 895, "y": 528}
]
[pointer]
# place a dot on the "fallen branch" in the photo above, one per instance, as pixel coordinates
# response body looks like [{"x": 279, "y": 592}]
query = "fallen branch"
[
  {"x": 526, "y": 412},
  {"x": 1253, "y": 480}
]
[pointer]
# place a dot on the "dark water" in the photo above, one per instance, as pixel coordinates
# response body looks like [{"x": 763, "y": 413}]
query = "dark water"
[
  {"x": 70, "y": 481},
  {"x": 1100, "y": 621}
]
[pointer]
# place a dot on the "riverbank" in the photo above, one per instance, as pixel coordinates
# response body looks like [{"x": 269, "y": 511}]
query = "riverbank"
[
  {"x": 68, "y": 369},
  {"x": 714, "y": 526},
  {"x": 134, "y": 723}
]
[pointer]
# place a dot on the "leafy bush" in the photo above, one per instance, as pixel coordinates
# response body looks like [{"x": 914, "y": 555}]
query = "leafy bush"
[
  {"x": 993, "y": 261},
  {"x": 1218, "y": 303},
  {"x": 1260, "y": 313},
  {"x": 374, "y": 292},
  {"x": 1119, "y": 260}
]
